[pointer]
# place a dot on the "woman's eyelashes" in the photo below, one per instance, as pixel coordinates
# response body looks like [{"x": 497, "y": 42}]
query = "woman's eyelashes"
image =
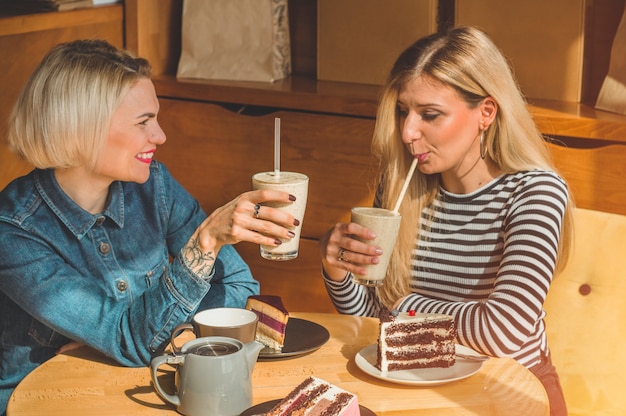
[{"x": 428, "y": 115}]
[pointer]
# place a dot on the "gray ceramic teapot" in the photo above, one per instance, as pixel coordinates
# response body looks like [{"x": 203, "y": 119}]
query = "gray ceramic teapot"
[{"x": 213, "y": 376}]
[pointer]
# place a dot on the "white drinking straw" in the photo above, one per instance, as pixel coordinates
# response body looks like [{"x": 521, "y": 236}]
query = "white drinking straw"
[
  {"x": 406, "y": 185},
  {"x": 277, "y": 146}
]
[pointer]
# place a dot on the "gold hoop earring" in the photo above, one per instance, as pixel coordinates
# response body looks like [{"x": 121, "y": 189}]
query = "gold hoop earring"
[{"x": 483, "y": 149}]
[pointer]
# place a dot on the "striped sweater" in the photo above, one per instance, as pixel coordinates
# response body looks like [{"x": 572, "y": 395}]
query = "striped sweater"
[{"x": 487, "y": 258}]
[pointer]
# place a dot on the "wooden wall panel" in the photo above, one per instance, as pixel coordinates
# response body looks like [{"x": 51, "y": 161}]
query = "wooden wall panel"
[
  {"x": 559, "y": 49},
  {"x": 359, "y": 40},
  {"x": 547, "y": 57},
  {"x": 215, "y": 152},
  {"x": 595, "y": 176},
  {"x": 24, "y": 40},
  {"x": 153, "y": 31}
]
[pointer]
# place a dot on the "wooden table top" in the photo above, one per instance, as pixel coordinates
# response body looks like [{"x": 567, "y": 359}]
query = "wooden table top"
[{"x": 85, "y": 382}]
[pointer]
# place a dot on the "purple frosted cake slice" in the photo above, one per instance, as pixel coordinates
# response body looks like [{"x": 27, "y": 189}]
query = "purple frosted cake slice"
[{"x": 273, "y": 319}]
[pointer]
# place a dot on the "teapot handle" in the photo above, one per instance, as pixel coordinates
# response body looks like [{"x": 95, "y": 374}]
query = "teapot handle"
[
  {"x": 177, "y": 331},
  {"x": 154, "y": 366}
]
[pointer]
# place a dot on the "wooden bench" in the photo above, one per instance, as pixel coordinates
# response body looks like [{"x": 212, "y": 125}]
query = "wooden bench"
[
  {"x": 585, "y": 305},
  {"x": 585, "y": 312}
]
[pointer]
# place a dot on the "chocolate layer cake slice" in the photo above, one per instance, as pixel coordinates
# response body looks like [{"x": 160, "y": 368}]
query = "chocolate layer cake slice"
[
  {"x": 315, "y": 396},
  {"x": 409, "y": 340}
]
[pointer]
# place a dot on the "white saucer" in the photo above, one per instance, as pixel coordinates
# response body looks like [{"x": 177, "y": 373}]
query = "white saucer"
[{"x": 366, "y": 361}]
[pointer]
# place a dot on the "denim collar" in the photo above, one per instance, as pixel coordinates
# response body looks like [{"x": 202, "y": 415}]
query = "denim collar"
[{"x": 76, "y": 219}]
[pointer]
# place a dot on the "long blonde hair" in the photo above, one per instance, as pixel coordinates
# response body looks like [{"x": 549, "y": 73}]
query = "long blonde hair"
[
  {"x": 465, "y": 59},
  {"x": 62, "y": 116}
]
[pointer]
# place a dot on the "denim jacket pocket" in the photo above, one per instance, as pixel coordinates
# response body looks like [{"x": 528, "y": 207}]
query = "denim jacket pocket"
[
  {"x": 154, "y": 273},
  {"x": 46, "y": 336}
]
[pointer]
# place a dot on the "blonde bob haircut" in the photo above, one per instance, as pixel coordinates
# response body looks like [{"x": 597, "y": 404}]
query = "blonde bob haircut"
[
  {"x": 62, "y": 116},
  {"x": 465, "y": 59}
]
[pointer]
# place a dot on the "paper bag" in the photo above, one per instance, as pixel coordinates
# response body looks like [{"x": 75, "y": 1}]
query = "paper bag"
[
  {"x": 612, "y": 95},
  {"x": 245, "y": 40}
]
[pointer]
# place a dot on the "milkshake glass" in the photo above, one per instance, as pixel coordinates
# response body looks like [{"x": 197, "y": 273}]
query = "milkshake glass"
[
  {"x": 385, "y": 224},
  {"x": 296, "y": 184}
]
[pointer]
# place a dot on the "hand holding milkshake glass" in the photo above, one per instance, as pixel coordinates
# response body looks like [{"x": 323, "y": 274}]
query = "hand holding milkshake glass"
[
  {"x": 385, "y": 224},
  {"x": 296, "y": 184}
]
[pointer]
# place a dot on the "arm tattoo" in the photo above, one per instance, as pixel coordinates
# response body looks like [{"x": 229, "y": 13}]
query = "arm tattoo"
[{"x": 200, "y": 263}]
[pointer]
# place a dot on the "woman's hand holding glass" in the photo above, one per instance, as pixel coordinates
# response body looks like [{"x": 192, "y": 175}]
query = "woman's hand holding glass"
[
  {"x": 342, "y": 252},
  {"x": 242, "y": 219},
  {"x": 245, "y": 219}
]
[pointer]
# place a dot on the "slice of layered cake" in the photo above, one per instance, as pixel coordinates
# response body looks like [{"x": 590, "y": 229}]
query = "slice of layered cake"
[
  {"x": 315, "y": 396},
  {"x": 410, "y": 340},
  {"x": 273, "y": 319}
]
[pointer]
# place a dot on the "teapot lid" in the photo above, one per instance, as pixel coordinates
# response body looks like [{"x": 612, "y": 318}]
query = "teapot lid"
[{"x": 214, "y": 348}]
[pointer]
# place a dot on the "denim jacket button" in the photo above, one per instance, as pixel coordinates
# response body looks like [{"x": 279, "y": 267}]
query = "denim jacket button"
[
  {"x": 122, "y": 286},
  {"x": 105, "y": 248}
]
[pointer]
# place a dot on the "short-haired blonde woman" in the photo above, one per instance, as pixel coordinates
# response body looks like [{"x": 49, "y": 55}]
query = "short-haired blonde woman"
[
  {"x": 87, "y": 235},
  {"x": 486, "y": 221}
]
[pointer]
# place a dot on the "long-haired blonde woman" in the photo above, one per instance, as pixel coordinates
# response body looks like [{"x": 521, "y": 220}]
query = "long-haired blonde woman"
[{"x": 486, "y": 221}]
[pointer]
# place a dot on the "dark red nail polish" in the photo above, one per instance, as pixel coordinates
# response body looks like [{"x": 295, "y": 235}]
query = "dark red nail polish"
[
  {"x": 277, "y": 242},
  {"x": 296, "y": 222},
  {"x": 292, "y": 197}
]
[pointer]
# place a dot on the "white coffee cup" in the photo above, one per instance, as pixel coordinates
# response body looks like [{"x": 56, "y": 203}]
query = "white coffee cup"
[{"x": 237, "y": 323}]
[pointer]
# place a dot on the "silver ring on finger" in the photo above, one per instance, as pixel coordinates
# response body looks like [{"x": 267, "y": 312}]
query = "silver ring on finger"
[
  {"x": 257, "y": 207},
  {"x": 340, "y": 254}
]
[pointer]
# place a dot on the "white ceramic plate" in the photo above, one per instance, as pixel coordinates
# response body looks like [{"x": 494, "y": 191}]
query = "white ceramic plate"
[{"x": 366, "y": 361}]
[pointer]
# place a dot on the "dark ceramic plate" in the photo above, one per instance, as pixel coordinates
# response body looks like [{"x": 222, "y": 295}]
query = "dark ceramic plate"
[
  {"x": 301, "y": 337},
  {"x": 267, "y": 406}
]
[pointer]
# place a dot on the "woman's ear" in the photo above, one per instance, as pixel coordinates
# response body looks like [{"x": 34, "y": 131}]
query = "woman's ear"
[{"x": 488, "y": 110}]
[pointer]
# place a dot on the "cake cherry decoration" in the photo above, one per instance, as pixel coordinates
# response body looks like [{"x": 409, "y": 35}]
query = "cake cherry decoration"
[{"x": 412, "y": 312}]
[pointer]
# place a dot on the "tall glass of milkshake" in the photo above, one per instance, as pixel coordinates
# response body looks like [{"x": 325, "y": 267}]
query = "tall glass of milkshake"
[
  {"x": 385, "y": 224},
  {"x": 296, "y": 184}
]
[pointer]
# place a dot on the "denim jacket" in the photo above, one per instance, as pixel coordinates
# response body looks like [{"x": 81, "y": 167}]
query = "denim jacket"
[{"x": 105, "y": 280}]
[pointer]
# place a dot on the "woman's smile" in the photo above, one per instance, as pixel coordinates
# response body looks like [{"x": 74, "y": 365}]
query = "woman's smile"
[{"x": 146, "y": 157}]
